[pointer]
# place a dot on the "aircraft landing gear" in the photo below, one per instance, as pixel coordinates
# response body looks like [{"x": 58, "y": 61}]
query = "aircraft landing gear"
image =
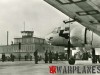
[
  {"x": 99, "y": 58},
  {"x": 94, "y": 57},
  {"x": 71, "y": 59},
  {"x": 99, "y": 61}
]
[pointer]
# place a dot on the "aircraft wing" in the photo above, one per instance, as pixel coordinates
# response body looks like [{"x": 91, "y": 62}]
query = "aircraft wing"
[{"x": 86, "y": 12}]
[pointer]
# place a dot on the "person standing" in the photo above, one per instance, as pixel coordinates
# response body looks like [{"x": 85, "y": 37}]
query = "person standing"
[
  {"x": 3, "y": 57},
  {"x": 25, "y": 58},
  {"x": 50, "y": 57},
  {"x": 56, "y": 56},
  {"x": 12, "y": 57},
  {"x": 46, "y": 56},
  {"x": 36, "y": 56},
  {"x": 30, "y": 58}
]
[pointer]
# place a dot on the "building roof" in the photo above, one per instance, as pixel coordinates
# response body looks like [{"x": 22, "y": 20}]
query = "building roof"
[
  {"x": 27, "y": 31},
  {"x": 29, "y": 37}
]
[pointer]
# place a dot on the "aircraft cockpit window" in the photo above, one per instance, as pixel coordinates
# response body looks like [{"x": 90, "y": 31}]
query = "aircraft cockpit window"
[
  {"x": 56, "y": 30},
  {"x": 50, "y": 38},
  {"x": 66, "y": 28}
]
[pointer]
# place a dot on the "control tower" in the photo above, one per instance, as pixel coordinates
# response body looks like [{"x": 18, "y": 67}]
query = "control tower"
[{"x": 27, "y": 34}]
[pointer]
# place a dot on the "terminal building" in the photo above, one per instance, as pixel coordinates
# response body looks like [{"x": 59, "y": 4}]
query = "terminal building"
[{"x": 28, "y": 44}]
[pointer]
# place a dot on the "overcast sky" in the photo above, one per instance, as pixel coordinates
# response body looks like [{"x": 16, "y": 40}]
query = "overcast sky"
[{"x": 37, "y": 14}]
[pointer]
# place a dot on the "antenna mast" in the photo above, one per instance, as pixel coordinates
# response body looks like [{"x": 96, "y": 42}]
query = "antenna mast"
[{"x": 24, "y": 25}]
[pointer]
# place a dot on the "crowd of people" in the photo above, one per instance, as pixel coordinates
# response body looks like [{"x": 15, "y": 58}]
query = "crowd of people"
[
  {"x": 48, "y": 56},
  {"x": 12, "y": 57},
  {"x": 4, "y": 58},
  {"x": 47, "y": 59}
]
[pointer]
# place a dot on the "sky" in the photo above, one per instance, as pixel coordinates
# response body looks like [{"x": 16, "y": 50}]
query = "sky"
[{"x": 38, "y": 16}]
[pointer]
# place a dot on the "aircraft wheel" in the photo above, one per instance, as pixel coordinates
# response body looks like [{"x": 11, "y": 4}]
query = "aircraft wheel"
[
  {"x": 71, "y": 61},
  {"x": 94, "y": 59},
  {"x": 99, "y": 60}
]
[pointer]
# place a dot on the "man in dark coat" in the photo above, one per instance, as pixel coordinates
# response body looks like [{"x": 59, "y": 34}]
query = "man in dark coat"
[
  {"x": 36, "y": 56},
  {"x": 25, "y": 58},
  {"x": 12, "y": 57},
  {"x": 50, "y": 57},
  {"x": 3, "y": 57},
  {"x": 56, "y": 56},
  {"x": 30, "y": 58},
  {"x": 46, "y": 56}
]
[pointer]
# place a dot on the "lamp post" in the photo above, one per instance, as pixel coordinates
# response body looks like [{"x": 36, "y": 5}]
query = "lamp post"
[{"x": 69, "y": 41}]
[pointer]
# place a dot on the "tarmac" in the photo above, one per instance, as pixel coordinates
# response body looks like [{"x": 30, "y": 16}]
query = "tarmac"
[{"x": 29, "y": 68}]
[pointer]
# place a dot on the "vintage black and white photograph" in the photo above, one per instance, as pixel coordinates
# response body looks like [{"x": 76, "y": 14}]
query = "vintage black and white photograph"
[{"x": 49, "y": 37}]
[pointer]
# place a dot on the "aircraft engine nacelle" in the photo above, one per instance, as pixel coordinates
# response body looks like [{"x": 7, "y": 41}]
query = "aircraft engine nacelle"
[
  {"x": 80, "y": 36},
  {"x": 77, "y": 36}
]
